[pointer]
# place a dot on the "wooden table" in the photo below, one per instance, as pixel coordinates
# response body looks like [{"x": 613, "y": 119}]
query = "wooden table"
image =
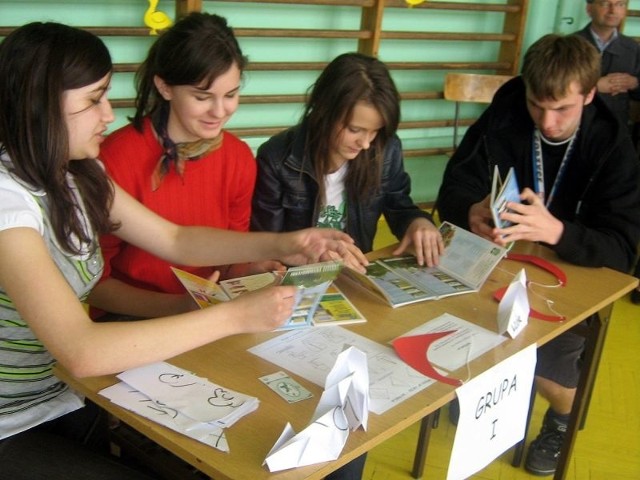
[{"x": 227, "y": 362}]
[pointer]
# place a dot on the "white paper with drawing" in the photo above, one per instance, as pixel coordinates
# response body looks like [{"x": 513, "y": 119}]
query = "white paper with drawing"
[
  {"x": 193, "y": 396},
  {"x": 130, "y": 399},
  {"x": 311, "y": 353}
]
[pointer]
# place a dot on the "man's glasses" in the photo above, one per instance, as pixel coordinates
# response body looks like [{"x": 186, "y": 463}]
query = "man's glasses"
[{"x": 608, "y": 4}]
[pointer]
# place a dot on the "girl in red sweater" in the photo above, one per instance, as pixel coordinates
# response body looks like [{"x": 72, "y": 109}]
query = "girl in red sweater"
[{"x": 176, "y": 159}]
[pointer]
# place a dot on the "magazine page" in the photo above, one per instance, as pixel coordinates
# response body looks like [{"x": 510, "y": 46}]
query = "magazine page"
[
  {"x": 401, "y": 281},
  {"x": 389, "y": 284},
  {"x": 366, "y": 281},
  {"x": 312, "y": 275},
  {"x": 237, "y": 286},
  {"x": 405, "y": 281},
  {"x": 496, "y": 185},
  {"x": 468, "y": 257},
  {"x": 336, "y": 309},
  {"x": 503, "y": 192},
  {"x": 466, "y": 263},
  {"x": 312, "y": 281},
  {"x": 204, "y": 292}
]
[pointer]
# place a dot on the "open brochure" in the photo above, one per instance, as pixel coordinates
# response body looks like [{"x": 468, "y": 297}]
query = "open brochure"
[
  {"x": 501, "y": 193},
  {"x": 318, "y": 303},
  {"x": 467, "y": 261}
]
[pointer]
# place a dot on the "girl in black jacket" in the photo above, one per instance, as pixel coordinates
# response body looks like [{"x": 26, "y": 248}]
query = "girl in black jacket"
[{"x": 342, "y": 165}]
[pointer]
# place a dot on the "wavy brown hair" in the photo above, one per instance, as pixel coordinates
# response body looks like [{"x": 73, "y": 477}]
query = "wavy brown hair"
[
  {"x": 38, "y": 62},
  {"x": 345, "y": 81}
]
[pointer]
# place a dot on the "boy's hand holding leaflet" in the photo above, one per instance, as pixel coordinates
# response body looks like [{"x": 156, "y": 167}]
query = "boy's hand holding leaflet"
[{"x": 531, "y": 221}]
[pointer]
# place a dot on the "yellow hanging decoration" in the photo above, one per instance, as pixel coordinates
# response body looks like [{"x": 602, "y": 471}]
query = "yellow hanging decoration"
[
  {"x": 413, "y": 3},
  {"x": 156, "y": 20}
]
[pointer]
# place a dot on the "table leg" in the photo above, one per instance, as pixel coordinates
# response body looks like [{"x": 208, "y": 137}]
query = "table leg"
[
  {"x": 597, "y": 332},
  {"x": 426, "y": 425},
  {"x": 518, "y": 450}
]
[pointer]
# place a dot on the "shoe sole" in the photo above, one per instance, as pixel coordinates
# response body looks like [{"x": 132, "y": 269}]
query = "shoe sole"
[{"x": 540, "y": 473}]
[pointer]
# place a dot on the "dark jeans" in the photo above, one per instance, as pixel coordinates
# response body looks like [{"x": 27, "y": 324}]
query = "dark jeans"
[
  {"x": 72, "y": 447},
  {"x": 350, "y": 471}
]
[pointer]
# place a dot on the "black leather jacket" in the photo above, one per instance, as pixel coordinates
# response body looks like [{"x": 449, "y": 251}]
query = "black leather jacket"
[{"x": 286, "y": 193}]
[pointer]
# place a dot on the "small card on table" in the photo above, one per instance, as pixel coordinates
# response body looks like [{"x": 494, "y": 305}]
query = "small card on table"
[{"x": 286, "y": 387}]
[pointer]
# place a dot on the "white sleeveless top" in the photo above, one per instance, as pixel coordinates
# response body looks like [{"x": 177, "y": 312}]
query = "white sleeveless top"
[{"x": 29, "y": 393}]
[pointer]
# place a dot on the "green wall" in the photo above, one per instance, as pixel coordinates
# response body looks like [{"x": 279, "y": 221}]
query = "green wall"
[{"x": 544, "y": 16}]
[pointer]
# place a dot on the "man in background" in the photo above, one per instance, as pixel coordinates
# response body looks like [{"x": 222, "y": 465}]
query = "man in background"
[
  {"x": 620, "y": 69},
  {"x": 620, "y": 64}
]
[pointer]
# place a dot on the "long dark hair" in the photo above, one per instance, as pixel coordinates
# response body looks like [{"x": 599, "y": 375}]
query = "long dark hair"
[
  {"x": 348, "y": 79},
  {"x": 198, "y": 48},
  {"x": 38, "y": 62}
]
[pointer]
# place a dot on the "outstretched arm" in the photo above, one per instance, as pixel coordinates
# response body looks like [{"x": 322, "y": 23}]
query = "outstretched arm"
[
  {"x": 49, "y": 306},
  {"x": 201, "y": 246}
]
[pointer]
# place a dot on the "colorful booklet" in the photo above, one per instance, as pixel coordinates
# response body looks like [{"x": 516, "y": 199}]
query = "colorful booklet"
[
  {"x": 318, "y": 302},
  {"x": 503, "y": 191},
  {"x": 467, "y": 261},
  {"x": 335, "y": 308}
]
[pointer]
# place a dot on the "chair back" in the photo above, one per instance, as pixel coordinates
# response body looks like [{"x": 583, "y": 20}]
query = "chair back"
[{"x": 470, "y": 87}]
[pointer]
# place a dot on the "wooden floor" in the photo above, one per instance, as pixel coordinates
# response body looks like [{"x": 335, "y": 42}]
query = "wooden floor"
[{"x": 607, "y": 449}]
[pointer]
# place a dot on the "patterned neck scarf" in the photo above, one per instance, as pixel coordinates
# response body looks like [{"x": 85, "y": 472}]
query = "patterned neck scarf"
[{"x": 176, "y": 154}]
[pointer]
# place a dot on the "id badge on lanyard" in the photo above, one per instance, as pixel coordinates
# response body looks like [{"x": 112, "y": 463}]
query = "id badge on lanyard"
[{"x": 538, "y": 167}]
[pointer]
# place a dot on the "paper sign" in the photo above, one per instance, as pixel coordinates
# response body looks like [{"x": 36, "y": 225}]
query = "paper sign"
[
  {"x": 513, "y": 311},
  {"x": 493, "y": 413}
]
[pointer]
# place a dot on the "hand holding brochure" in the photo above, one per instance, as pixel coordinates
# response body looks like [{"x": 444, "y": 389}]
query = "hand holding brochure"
[
  {"x": 312, "y": 282},
  {"x": 501, "y": 193},
  {"x": 318, "y": 302},
  {"x": 465, "y": 265}
]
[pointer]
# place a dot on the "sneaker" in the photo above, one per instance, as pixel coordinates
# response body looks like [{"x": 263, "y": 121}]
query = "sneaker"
[{"x": 544, "y": 451}]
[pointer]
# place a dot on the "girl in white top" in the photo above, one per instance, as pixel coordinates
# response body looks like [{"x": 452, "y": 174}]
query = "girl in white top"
[{"x": 54, "y": 200}]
